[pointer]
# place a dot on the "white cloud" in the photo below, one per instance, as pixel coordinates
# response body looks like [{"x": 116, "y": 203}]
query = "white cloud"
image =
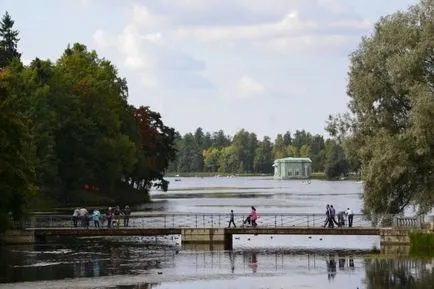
[
  {"x": 296, "y": 29},
  {"x": 307, "y": 44},
  {"x": 84, "y": 3},
  {"x": 247, "y": 87},
  {"x": 142, "y": 16},
  {"x": 130, "y": 44},
  {"x": 290, "y": 24},
  {"x": 144, "y": 51},
  {"x": 154, "y": 37}
]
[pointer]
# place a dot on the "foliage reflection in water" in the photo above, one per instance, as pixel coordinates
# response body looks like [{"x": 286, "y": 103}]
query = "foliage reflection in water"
[{"x": 160, "y": 263}]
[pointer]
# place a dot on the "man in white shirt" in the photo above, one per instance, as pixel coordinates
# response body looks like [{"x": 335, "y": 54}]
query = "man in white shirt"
[{"x": 350, "y": 215}]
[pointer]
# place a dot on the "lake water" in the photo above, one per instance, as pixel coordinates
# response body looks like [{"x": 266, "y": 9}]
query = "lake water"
[{"x": 309, "y": 262}]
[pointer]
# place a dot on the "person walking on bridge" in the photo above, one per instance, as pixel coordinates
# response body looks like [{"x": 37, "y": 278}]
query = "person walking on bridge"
[
  {"x": 127, "y": 213},
  {"x": 75, "y": 217},
  {"x": 333, "y": 214},
  {"x": 231, "y": 220},
  {"x": 328, "y": 222},
  {"x": 96, "y": 216},
  {"x": 350, "y": 216}
]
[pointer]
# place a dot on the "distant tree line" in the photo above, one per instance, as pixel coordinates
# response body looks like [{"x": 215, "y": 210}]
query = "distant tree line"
[
  {"x": 68, "y": 135},
  {"x": 245, "y": 154}
]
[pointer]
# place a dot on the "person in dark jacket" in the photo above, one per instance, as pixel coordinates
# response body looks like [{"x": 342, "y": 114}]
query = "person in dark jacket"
[
  {"x": 341, "y": 219},
  {"x": 231, "y": 220}
]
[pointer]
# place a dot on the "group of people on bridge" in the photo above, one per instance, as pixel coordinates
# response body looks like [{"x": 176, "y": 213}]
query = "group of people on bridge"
[
  {"x": 250, "y": 220},
  {"x": 330, "y": 220},
  {"x": 111, "y": 217}
]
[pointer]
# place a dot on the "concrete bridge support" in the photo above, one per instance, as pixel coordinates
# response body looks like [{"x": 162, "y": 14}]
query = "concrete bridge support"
[
  {"x": 202, "y": 235},
  {"x": 16, "y": 237},
  {"x": 394, "y": 237}
]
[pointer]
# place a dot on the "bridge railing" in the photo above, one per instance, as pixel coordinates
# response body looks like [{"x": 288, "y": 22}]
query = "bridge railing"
[
  {"x": 197, "y": 220},
  {"x": 409, "y": 222}
]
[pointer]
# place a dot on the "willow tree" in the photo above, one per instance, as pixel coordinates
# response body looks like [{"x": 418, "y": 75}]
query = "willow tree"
[{"x": 391, "y": 89}]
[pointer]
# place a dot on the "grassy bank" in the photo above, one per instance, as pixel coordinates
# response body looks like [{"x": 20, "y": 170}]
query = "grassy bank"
[{"x": 422, "y": 244}]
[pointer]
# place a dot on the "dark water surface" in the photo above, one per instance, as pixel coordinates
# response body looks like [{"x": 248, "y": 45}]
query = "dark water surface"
[{"x": 257, "y": 261}]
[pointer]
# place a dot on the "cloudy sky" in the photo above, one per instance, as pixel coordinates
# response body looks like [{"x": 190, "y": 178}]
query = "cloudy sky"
[{"x": 267, "y": 66}]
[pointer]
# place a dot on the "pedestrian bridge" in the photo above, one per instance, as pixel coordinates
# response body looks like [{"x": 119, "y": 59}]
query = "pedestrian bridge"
[{"x": 212, "y": 228}]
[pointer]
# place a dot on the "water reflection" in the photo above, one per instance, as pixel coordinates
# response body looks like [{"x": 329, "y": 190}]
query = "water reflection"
[
  {"x": 399, "y": 274},
  {"x": 146, "y": 261}
]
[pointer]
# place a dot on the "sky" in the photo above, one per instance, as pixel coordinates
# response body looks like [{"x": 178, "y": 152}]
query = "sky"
[{"x": 266, "y": 66}]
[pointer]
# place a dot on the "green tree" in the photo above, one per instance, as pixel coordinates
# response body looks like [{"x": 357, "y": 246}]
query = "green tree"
[
  {"x": 391, "y": 82},
  {"x": 336, "y": 162},
  {"x": 287, "y": 139},
  {"x": 263, "y": 156},
  {"x": 229, "y": 162},
  {"x": 317, "y": 153},
  {"x": 300, "y": 138},
  {"x": 91, "y": 148},
  {"x": 211, "y": 158},
  {"x": 304, "y": 151},
  {"x": 156, "y": 149},
  {"x": 16, "y": 166},
  {"x": 279, "y": 148},
  {"x": 220, "y": 140},
  {"x": 8, "y": 41}
]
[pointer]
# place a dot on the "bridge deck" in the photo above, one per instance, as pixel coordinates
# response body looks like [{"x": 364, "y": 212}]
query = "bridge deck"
[
  {"x": 106, "y": 232},
  {"x": 304, "y": 231},
  {"x": 177, "y": 231}
]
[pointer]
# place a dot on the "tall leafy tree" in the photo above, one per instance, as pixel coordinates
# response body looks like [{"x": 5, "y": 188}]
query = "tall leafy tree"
[
  {"x": 336, "y": 163},
  {"x": 391, "y": 83},
  {"x": 155, "y": 150},
  {"x": 16, "y": 166},
  {"x": 8, "y": 41},
  {"x": 287, "y": 138},
  {"x": 264, "y": 156},
  {"x": 279, "y": 148}
]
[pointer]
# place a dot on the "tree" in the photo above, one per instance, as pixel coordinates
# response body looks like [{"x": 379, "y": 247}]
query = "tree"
[
  {"x": 391, "y": 84},
  {"x": 8, "y": 41},
  {"x": 287, "y": 139},
  {"x": 336, "y": 163},
  {"x": 263, "y": 156},
  {"x": 317, "y": 154},
  {"x": 211, "y": 158},
  {"x": 16, "y": 166},
  {"x": 300, "y": 138},
  {"x": 156, "y": 150},
  {"x": 279, "y": 148}
]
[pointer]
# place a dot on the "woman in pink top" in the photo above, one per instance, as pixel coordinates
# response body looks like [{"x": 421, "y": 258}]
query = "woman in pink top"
[{"x": 253, "y": 217}]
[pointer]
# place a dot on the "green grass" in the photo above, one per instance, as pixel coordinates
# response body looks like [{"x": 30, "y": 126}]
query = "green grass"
[
  {"x": 319, "y": 176},
  {"x": 422, "y": 243}
]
